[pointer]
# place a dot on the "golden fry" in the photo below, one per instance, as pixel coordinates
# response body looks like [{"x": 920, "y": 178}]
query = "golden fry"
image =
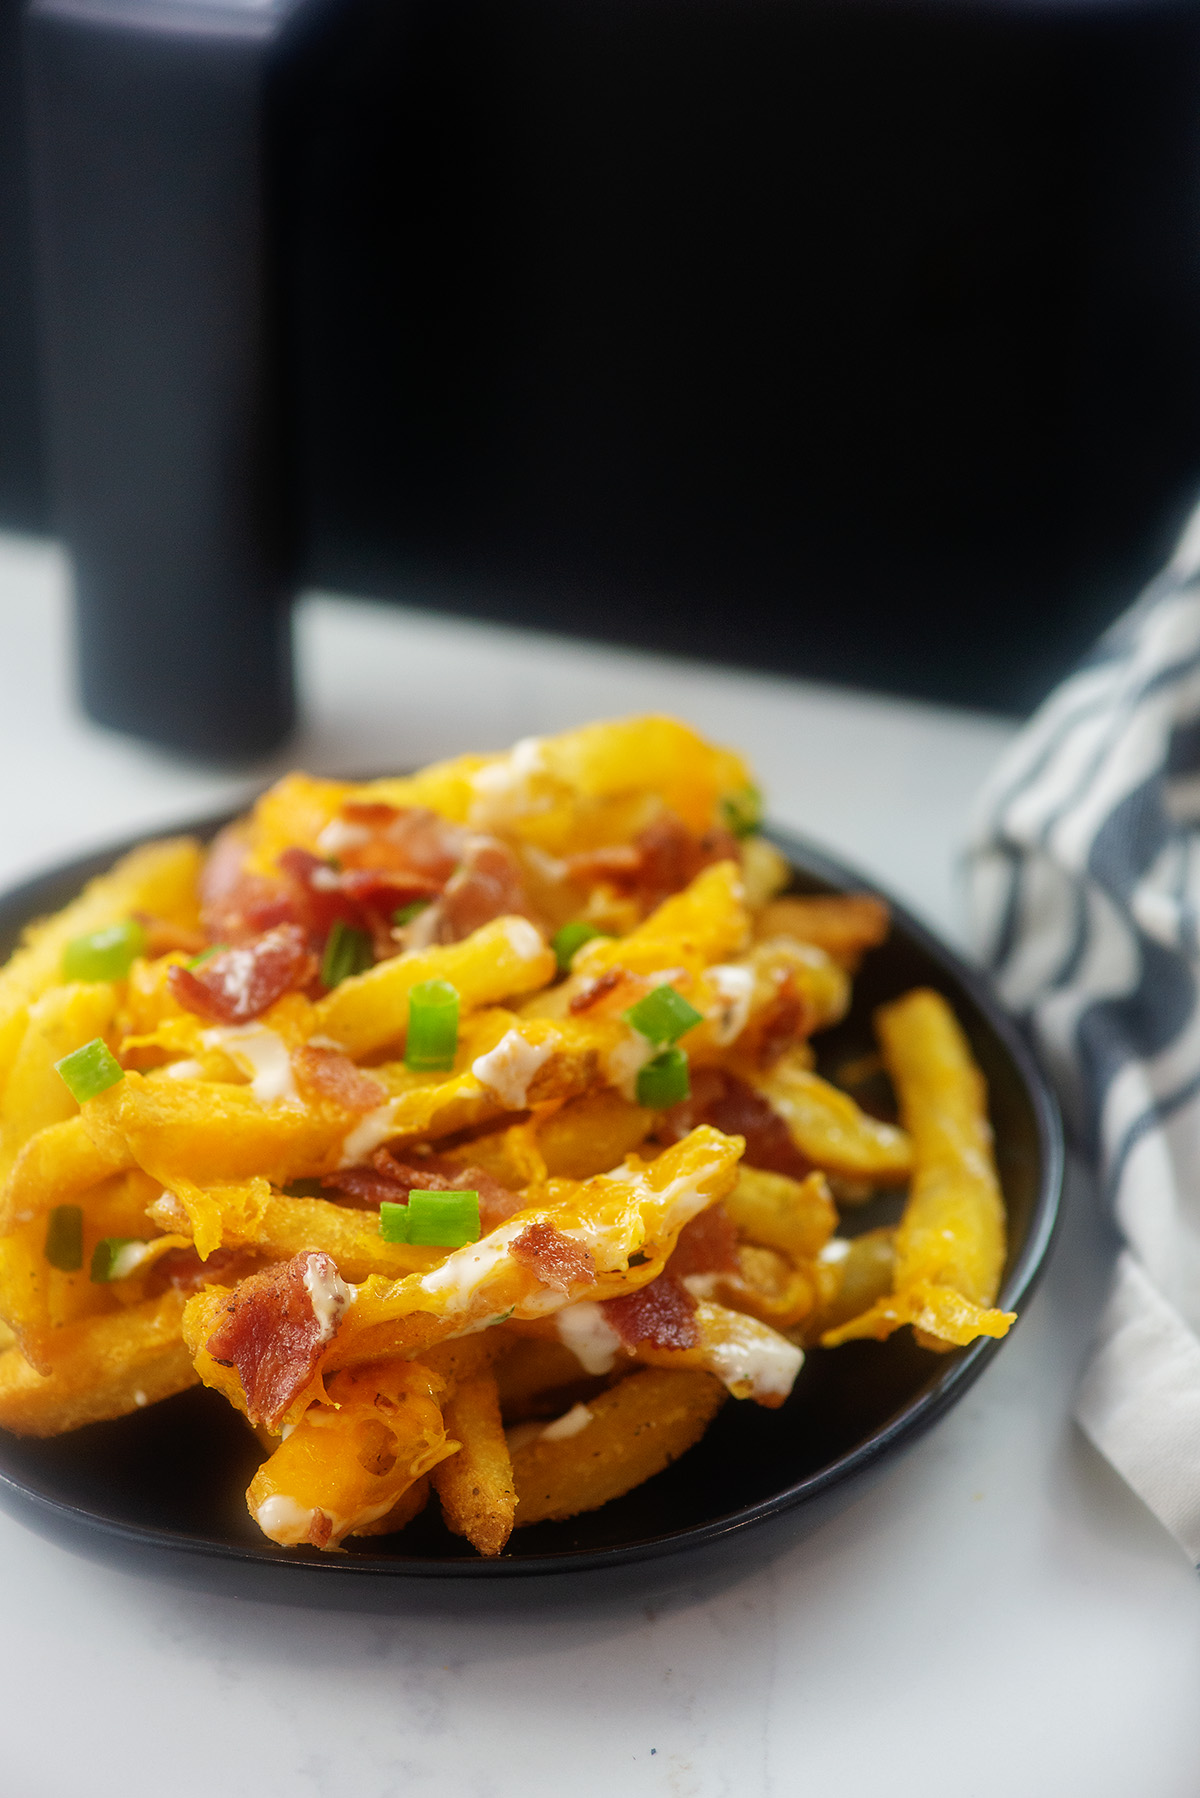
[
  {"x": 950, "y": 1243},
  {"x": 630, "y": 1433},
  {"x": 103, "y": 1367},
  {"x": 797, "y": 1216},
  {"x": 475, "y": 1486},
  {"x": 843, "y": 924},
  {"x": 830, "y": 1129}
]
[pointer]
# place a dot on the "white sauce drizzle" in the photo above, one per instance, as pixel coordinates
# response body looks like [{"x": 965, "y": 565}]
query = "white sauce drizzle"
[
  {"x": 185, "y": 1070},
  {"x": 569, "y": 1424},
  {"x": 585, "y": 1330},
  {"x": 735, "y": 989},
  {"x": 263, "y": 1052},
  {"x": 625, "y": 1060},
  {"x": 339, "y": 835},
  {"x": 835, "y": 1250},
  {"x": 283, "y": 1520},
  {"x": 756, "y": 1363},
  {"x": 702, "y": 1286},
  {"x": 524, "y": 939},
  {"x": 367, "y": 1134},
  {"x": 140, "y": 1399},
  {"x": 329, "y": 1294},
  {"x": 467, "y": 1268},
  {"x": 508, "y": 1069}
]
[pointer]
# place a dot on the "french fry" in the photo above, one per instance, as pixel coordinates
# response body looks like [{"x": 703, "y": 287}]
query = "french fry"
[
  {"x": 630, "y": 1433},
  {"x": 54, "y": 1168},
  {"x": 844, "y": 925},
  {"x": 282, "y": 1227},
  {"x": 103, "y": 1367},
  {"x": 831, "y": 1131},
  {"x": 410, "y": 1504},
  {"x": 859, "y": 1276},
  {"x": 706, "y": 923},
  {"x": 797, "y": 1216},
  {"x": 159, "y": 879},
  {"x": 592, "y": 1133},
  {"x": 35, "y": 1095},
  {"x": 950, "y": 1242},
  {"x": 537, "y": 1372},
  {"x": 348, "y": 1462},
  {"x": 751, "y": 1360},
  {"x": 500, "y": 961},
  {"x": 475, "y": 1486}
]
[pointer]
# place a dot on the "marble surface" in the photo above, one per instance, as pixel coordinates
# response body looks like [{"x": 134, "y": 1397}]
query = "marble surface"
[{"x": 998, "y": 1614}]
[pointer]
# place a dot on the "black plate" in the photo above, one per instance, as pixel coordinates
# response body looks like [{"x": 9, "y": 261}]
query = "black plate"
[{"x": 162, "y": 1491}]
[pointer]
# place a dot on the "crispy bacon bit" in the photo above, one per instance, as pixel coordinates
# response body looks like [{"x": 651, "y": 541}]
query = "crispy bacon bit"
[
  {"x": 389, "y": 1179},
  {"x": 239, "y": 984},
  {"x": 706, "y": 1245},
  {"x": 320, "y": 1529},
  {"x": 364, "y": 898},
  {"x": 730, "y": 1105},
  {"x": 328, "y": 1074},
  {"x": 487, "y": 885},
  {"x": 272, "y": 1333},
  {"x": 785, "y": 1017},
  {"x": 557, "y": 1260},
  {"x": 183, "y": 1270},
  {"x": 596, "y": 990},
  {"x": 662, "y": 1314},
  {"x": 664, "y": 859},
  {"x": 236, "y": 905},
  {"x": 410, "y": 840}
]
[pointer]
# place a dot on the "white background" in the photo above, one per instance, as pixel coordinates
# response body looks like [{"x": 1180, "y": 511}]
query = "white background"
[{"x": 998, "y": 1615}]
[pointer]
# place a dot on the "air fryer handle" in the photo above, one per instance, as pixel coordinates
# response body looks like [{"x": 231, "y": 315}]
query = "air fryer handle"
[{"x": 162, "y": 343}]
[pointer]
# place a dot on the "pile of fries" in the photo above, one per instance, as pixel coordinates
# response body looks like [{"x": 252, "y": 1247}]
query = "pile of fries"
[{"x": 462, "y": 1130}]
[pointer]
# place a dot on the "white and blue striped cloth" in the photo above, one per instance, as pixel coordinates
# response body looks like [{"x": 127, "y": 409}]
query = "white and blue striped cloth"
[{"x": 1085, "y": 880}]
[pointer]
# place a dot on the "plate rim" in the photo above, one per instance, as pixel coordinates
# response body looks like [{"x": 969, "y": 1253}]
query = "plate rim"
[{"x": 807, "y": 859}]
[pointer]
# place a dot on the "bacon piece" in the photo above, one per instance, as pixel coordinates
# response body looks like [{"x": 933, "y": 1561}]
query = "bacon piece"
[
  {"x": 557, "y": 1260},
  {"x": 364, "y": 898},
  {"x": 236, "y": 905},
  {"x": 721, "y": 1099},
  {"x": 785, "y": 1017},
  {"x": 239, "y": 984},
  {"x": 706, "y": 1245},
  {"x": 328, "y": 1074},
  {"x": 320, "y": 1529},
  {"x": 274, "y": 1329},
  {"x": 411, "y": 840},
  {"x": 663, "y": 859},
  {"x": 183, "y": 1270},
  {"x": 487, "y": 885},
  {"x": 662, "y": 1314},
  {"x": 596, "y": 990}
]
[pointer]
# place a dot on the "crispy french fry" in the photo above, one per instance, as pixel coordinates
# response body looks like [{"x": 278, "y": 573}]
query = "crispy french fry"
[
  {"x": 858, "y": 1276},
  {"x": 500, "y": 961},
  {"x": 410, "y": 1504},
  {"x": 538, "y": 1377},
  {"x": 797, "y": 1216},
  {"x": 830, "y": 1129},
  {"x": 103, "y": 1367},
  {"x": 950, "y": 1242},
  {"x": 843, "y": 924},
  {"x": 282, "y": 1227},
  {"x": 35, "y": 1095},
  {"x": 475, "y": 1486},
  {"x": 348, "y": 1462},
  {"x": 628, "y": 1434},
  {"x": 750, "y": 1359},
  {"x": 54, "y": 1168},
  {"x": 159, "y": 878},
  {"x": 592, "y": 1133},
  {"x": 706, "y": 923}
]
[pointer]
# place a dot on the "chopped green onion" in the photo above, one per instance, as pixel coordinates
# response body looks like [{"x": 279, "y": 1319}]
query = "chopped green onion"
[
  {"x": 567, "y": 942},
  {"x": 443, "y": 1220},
  {"x": 198, "y": 961},
  {"x": 742, "y": 811},
  {"x": 115, "y": 1258},
  {"x": 407, "y": 913},
  {"x": 64, "y": 1238},
  {"x": 347, "y": 952},
  {"x": 90, "y": 1070},
  {"x": 664, "y": 1081},
  {"x": 432, "y": 1026},
  {"x": 393, "y": 1222},
  {"x": 106, "y": 954},
  {"x": 663, "y": 1015}
]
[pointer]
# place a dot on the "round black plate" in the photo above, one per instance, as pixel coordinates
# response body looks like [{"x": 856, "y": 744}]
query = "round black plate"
[{"x": 162, "y": 1491}]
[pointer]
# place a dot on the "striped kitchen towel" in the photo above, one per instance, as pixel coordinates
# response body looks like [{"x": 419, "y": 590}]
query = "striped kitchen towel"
[{"x": 1085, "y": 887}]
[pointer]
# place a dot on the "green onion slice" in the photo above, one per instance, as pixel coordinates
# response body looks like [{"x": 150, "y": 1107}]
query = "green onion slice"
[
  {"x": 663, "y": 1015},
  {"x": 432, "y": 1026},
  {"x": 106, "y": 954},
  {"x": 408, "y": 912},
  {"x": 90, "y": 1070},
  {"x": 347, "y": 951},
  {"x": 116, "y": 1257},
  {"x": 742, "y": 812},
  {"x": 64, "y": 1238},
  {"x": 664, "y": 1081},
  {"x": 393, "y": 1222},
  {"x": 443, "y": 1220},
  {"x": 567, "y": 942}
]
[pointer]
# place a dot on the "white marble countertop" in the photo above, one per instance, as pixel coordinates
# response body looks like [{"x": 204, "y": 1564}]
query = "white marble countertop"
[{"x": 997, "y": 1615}]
